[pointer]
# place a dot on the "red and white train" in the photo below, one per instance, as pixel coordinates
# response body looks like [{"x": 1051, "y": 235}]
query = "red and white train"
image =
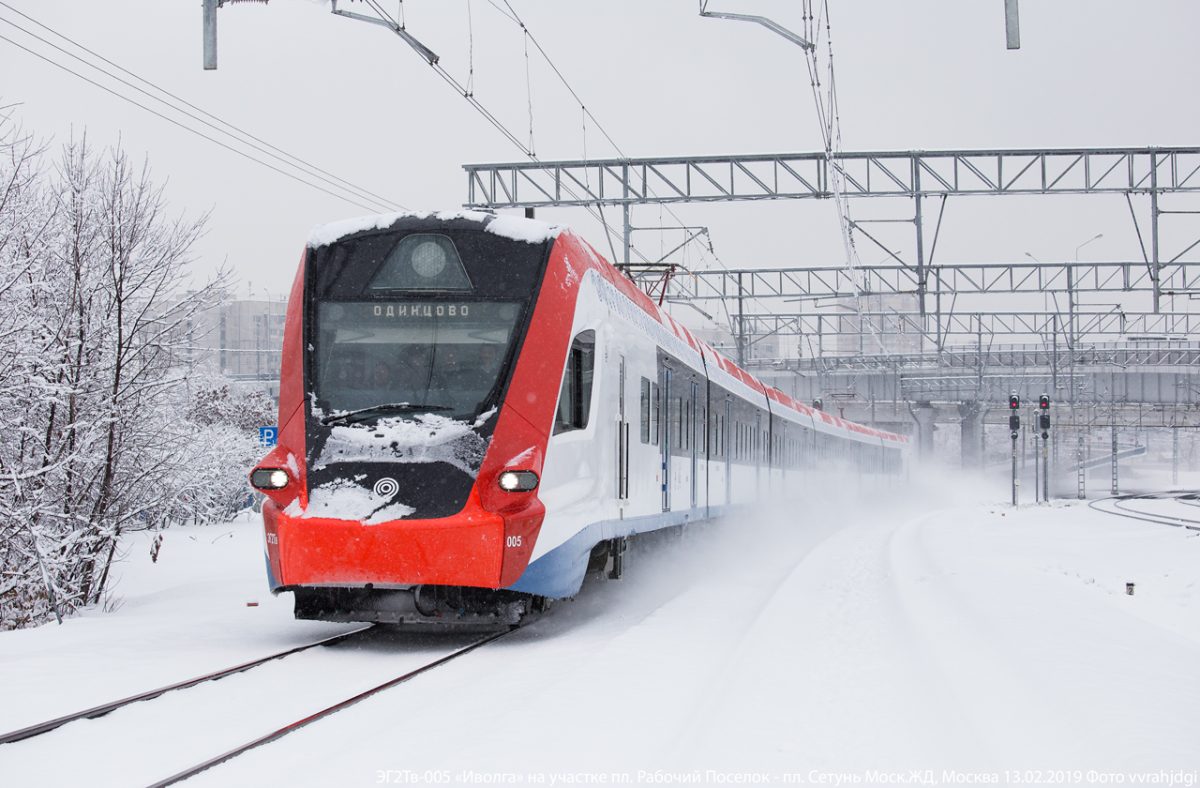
[{"x": 474, "y": 407}]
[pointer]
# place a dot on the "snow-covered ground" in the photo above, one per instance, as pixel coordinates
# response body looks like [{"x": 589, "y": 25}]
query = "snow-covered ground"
[{"x": 935, "y": 630}]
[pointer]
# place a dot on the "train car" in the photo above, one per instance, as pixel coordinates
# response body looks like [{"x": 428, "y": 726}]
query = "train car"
[{"x": 475, "y": 408}]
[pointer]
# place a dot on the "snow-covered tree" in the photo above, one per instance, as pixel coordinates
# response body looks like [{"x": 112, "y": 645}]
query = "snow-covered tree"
[{"x": 95, "y": 317}]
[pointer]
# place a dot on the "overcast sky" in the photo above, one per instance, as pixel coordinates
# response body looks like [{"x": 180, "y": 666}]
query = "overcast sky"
[{"x": 354, "y": 100}]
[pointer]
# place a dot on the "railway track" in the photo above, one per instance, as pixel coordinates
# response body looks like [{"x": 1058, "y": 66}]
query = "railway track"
[
  {"x": 279, "y": 733},
  {"x": 1122, "y": 506},
  {"x": 105, "y": 708},
  {"x": 1190, "y": 499}
]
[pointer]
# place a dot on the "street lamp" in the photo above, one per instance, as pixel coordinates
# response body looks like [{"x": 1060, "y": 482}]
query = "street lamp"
[
  {"x": 1096, "y": 237},
  {"x": 1071, "y": 333},
  {"x": 1047, "y": 296},
  {"x": 1045, "y": 304}
]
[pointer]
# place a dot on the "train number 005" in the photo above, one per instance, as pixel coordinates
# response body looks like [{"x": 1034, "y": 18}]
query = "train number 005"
[{"x": 512, "y": 541}]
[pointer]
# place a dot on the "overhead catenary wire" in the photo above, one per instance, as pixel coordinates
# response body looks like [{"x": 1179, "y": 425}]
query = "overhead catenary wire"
[
  {"x": 199, "y": 115},
  {"x": 829, "y": 122},
  {"x": 509, "y": 12},
  {"x": 458, "y": 87},
  {"x": 529, "y": 92},
  {"x": 512, "y": 15},
  {"x": 184, "y": 126},
  {"x": 831, "y": 133},
  {"x": 470, "y": 88},
  {"x": 486, "y": 113},
  {"x": 516, "y": 19},
  {"x": 612, "y": 250}
]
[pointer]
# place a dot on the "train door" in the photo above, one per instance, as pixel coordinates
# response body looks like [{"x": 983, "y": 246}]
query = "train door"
[
  {"x": 757, "y": 449},
  {"x": 726, "y": 451},
  {"x": 622, "y": 437},
  {"x": 694, "y": 420},
  {"x": 667, "y": 437}
]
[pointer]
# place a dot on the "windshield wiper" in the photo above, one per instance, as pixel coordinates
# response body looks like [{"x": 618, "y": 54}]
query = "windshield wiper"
[{"x": 362, "y": 414}]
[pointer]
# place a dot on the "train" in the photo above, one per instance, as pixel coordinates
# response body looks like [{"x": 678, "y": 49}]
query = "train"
[{"x": 476, "y": 410}]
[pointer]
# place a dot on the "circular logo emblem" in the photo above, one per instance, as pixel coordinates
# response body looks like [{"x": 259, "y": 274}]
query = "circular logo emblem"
[{"x": 386, "y": 487}]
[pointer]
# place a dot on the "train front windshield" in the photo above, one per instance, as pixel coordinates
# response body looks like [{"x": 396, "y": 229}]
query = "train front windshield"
[
  {"x": 422, "y": 317},
  {"x": 443, "y": 357}
]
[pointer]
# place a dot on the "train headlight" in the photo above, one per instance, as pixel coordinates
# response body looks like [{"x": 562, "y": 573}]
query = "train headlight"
[
  {"x": 269, "y": 478},
  {"x": 429, "y": 259},
  {"x": 518, "y": 481}
]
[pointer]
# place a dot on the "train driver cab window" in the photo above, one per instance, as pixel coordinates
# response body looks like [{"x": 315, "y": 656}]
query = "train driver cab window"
[{"x": 575, "y": 399}]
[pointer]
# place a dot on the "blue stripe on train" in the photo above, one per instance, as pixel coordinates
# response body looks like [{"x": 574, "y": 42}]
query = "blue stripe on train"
[
  {"x": 272, "y": 582},
  {"x": 559, "y": 573}
]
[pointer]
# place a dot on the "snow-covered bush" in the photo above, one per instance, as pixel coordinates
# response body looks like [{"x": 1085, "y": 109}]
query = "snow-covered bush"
[
  {"x": 221, "y": 402},
  {"x": 94, "y": 347},
  {"x": 221, "y": 446}
]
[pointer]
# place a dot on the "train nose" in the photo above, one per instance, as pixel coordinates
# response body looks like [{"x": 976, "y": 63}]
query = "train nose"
[{"x": 464, "y": 548}]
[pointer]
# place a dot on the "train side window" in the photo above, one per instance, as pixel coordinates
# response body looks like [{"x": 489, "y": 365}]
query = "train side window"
[
  {"x": 645, "y": 410},
  {"x": 575, "y": 399}
]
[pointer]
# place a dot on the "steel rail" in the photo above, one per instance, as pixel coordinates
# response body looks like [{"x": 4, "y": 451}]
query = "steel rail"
[
  {"x": 1136, "y": 514},
  {"x": 104, "y": 708},
  {"x": 319, "y": 715}
]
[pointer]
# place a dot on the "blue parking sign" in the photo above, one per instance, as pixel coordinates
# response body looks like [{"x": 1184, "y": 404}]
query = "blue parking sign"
[{"x": 267, "y": 437}]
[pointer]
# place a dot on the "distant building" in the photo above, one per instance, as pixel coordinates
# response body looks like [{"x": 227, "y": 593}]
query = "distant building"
[
  {"x": 718, "y": 339},
  {"x": 893, "y": 325},
  {"x": 775, "y": 347},
  {"x": 243, "y": 339}
]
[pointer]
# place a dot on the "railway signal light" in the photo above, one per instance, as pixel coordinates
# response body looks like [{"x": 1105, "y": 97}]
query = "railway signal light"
[
  {"x": 1014, "y": 427},
  {"x": 819, "y": 404},
  {"x": 1044, "y": 402}
]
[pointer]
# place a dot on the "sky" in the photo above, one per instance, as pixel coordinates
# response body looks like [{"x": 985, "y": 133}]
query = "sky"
[{"x": 354, "y": 100}]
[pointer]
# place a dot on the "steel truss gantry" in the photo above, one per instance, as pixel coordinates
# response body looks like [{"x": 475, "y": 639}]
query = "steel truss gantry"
[
  {"x": 918, "y": 175},
  {"x": 958, "y": 328},
  {"x": 649, "y": 181},
  {"x": 796, "y": 283}
]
